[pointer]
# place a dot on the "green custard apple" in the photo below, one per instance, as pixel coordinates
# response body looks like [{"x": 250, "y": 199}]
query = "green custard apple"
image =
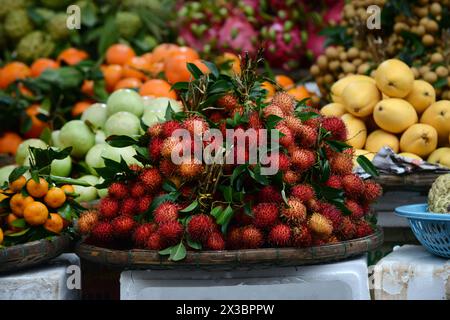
[
  {"x": 34, "y": 45},
  {"x": 17, "y": 24},
  {"x": 57, "y": 27},
  {"x": 128, "y": 24},
  {"x": 439, "y": 195}
]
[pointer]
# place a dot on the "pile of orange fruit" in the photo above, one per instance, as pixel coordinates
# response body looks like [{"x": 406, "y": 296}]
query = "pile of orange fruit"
[{"x": 33, "y": 204}]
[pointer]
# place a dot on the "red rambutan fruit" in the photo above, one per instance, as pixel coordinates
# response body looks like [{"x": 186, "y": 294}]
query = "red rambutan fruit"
[
  {"x": 301, "y": 237},
  {"x": 251, "y": 238},
  {"x": 155, "y": 130},
  {"x": 270, "y": 194},
  {"x": 372, "y": 191},
  {"x": 169, "y": 145},
  {"x": 303, "y": 159},
  {"x": 169, "y": 127},
  {"x": 135, "y": 168},
  {"x": 128, "y": 207},
  {"x": 285, "y": 101},
  {"x": 167, "y": 167},
  {"x": 320, "y": 225},
  {"x": 254, "y": 121},
  {"x": 154, "y": 241},
  {"x": 234, "y": 238},
  {"x": 336, "y": 127},
  {"x": 166, "y": 212},
  {"x": 144, "y": 203},
  {"x": 334, "y": 181},
  {"x": 171, "y": 232},
  {"x": 348, "y": 229},
  {"x": 291, "y": 177},
  {"x": 295, "y": 213},
  {"x": 155, "y": 148},
  {"x": 118, "y": 190},
  {"x": 108, "y": 208},
  {"x": 87, "y": 221},
  {"x": 216, "y": 117},
  {"x": 284, "y": 162},
  {"x": 151, "y": 179},
  {"x": 238, "y": 110},
  {"x": 332, "y": 213},
  {"x": 200, "y": 227},
  {"x": 228, "y": 102},
  {"x": 142, "y": 233},
  {"x": 102, "y": 233},
  {"x": 308, "y": 136},
  {"x": 356, "y": 210},
  {"x": 341, "y": 164},
  {"x": 294, "y": 124},
  {"x": 353, "y": 185},
  {"x": 215, "y": 241},
  {"x": 243, "y": 219},
  {"x": 363, "y": 229},
  {"x": 196, "y": 125},
  {"x": 123, "y": 226},
  {"x": 190, "y": 170},
  {"x": 273, "y": 110},
  {"x": 303, "y": 192},
  {"x": 265, "y": 215},
  {"x": 314, "y": 205},
  {"x": 287, "y": 137},
  {"x": 137, "y": 190},
  {"x": 280, "y": 235}
]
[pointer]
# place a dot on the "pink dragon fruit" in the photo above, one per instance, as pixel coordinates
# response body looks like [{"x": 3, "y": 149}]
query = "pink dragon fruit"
[
  {"x": 315, "y": 45},
  {"x": 333, "y": 15},
  {"x": 197, "y": 37},
  {"x": 283, "y": 43},
  {"x": 238, "y": 35}
]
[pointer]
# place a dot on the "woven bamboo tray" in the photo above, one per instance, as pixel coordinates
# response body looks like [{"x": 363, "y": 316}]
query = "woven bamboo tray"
[
  {"x": 150, "y": 259},
  {"x": 33, "y": 253},
  {"x": 413, "y": 180}
]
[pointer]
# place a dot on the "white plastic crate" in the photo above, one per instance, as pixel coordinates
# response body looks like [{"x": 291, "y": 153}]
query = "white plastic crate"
[
  {"x": 412, "y": 273},
  {"x": 47, "y": 282},
  {"x": 341, "y": 280}
]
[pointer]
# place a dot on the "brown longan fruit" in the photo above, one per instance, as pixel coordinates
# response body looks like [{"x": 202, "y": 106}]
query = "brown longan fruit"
[
  {"x": 430, "y": 77},
  {"x": 322, "y": 62},
  {"x": 357, "y": 62},
  {"x": 334, "y": 65},
  {"x": 348, "y": 67},
  {"x": 436, "y": 57},
  {"x": 343, "y": 56},
  {"x": 431, "y": 26},
  {"x": 420, "y": 30},
  {"x": 400, "y": 26},
  {"x": 424, "y": 69},
  {"x": 416, "y": 72},
  {"x": 319, "y": 80},
  {"x": 428, "y": 40},
  {"x": 441, "y": 71},
  {"x": 362, "y": 69},
  {"x": 352, "y": 53},
  {"x": 328, "y": 79},
  {"x": 331, "y": 52},
  {"x": 314, "y": 70},
  {"x": 435, "y": 9},
  {"x": 421, "y": 11}
]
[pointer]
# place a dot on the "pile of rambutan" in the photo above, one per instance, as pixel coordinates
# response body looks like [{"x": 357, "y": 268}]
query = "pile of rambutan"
[{"x": 313, "y": 199}]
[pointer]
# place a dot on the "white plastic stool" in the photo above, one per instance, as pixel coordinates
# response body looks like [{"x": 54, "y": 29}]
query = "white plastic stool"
[
  {"x": 341, "y": 280},
  {"x": 412, "y": 273},
  {"x": 47, "y": 282}
]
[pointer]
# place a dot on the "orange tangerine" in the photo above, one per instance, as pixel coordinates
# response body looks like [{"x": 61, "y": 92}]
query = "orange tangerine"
[
  {"x": 79, "y": 107},
  {"x": 119, "y": 53},
  {"x": 1, "y": 236},
  {"x": 284, "y": 81},
  {"x": 128, "y": 83},
  {"x": 68, "y": 188},
  {"x": 42, "y": 64},
  {"x": 157, "y": 88},
  {"x": 54, "y": 223},
  {"x": 162, "y": 51},
  {"x": 18, "y": 184},
  {"x": 55, "y": 198},
  {"x": 269, "y": 87},
  {"x": 112, "y": 74},
  {"x": 37, "y": 190},
  {"x": 37, "y": 125},
  {"x": 88, "y": 87},
  {"x": 13, "y": 71},
  {"x": 18, "y": 203},
  {"x": 136, "y": 67},
  {"x": 35, "y": 213},
  {"x": 72, "y": 56},
  {"x": 9, "y": 142},
  {"x": 10, "y": 218},
  {"x": 299, "y": 93}
]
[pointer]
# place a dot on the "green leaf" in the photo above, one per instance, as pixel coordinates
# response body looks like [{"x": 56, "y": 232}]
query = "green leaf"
[
  {"x": 325, "y": 171},
  {"x": 216, "y": 212},
  {"x": 64, "y": 77},
  {"x": 283, "y": 195},
  {"x": 442, "y": 82},
  {"x": 212, "y": 67},
  {"x": 108, "y": 36},
  {"x": 19, "y": 223},
  {"x": 194, "y": 70},
  {"x": 237, "y": 172},
  {"x": 100, "y": 92},
  {"x": 180, "y": 86},
  {"x": 367, "y": 165},
  {"x": 66, "y": 212},
  {"x": 17, "y": 234},
  {"x": 169, "y": 112},
  {"x": 169, "y": 186},
  {"x": 178, "y": 252},
  {"x": 272, "y": 121},
  {"x": 337, "y": 146},
  {"x": 225, "y": 218},
  {"x": 67, "y": 180},
  {"x": 194, "y": 244},
  {"x": 17, "y": 173},
  {"x": 256, "y": 175},
  {"x": 46, "y": 135},
  {"x": 166, "y": 251},
  {"x": 228, "y": 194},
  {"x": 120, "y": 141},
  {"x": 190, "y": 207}
]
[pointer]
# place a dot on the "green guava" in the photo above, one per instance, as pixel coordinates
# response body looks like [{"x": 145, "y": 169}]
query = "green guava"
[
  {"x": 87, "y": 193},
  {"x": 128, "y": 24},
  {"x": 125, "y": 100},
  {"x": 122, "y": 123},
  {"x": 5, "y": 172},
  {"x": 100, "y": 137},
  {"x": 62, "y": 167},
  {"x": 22, "y": 151},
  {"x": 76, "y": 134},
  {"x": 96, "y": 115},
  {"x": 55, "y": 139},
  {"x": 127, "y": 153},
  {"x": 94, "y": 158},
  {"x": 155, "y": 109}
]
